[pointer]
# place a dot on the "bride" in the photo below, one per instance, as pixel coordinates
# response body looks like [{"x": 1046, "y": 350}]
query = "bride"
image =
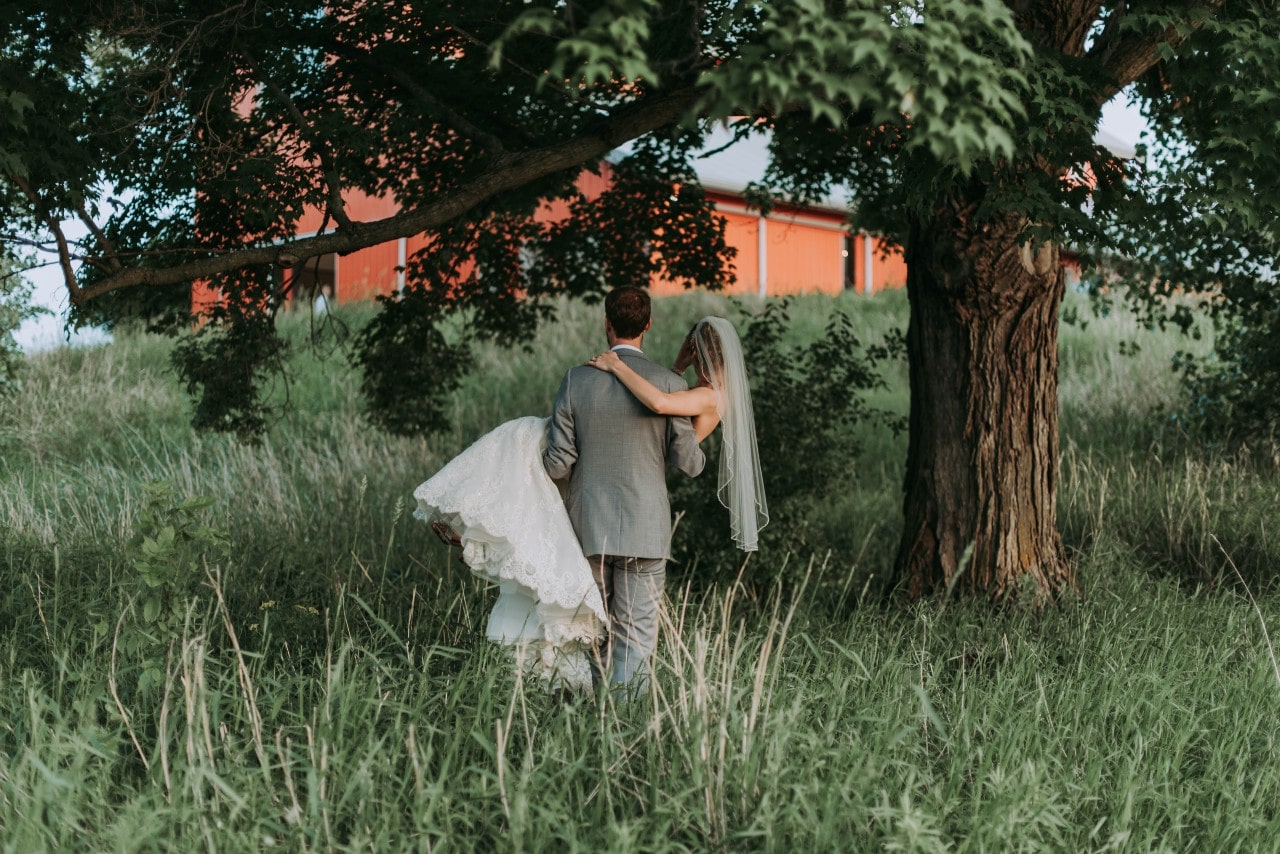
[{"x": 498, "y": 503}]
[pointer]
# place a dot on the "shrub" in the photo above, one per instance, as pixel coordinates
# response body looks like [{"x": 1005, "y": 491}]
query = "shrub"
[
  {"x": 170, "y": 552},
  {"x": 1234, "y": 398}
]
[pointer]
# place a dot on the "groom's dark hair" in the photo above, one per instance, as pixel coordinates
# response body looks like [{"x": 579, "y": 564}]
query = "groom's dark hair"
[{"x": 627, "y": 310}]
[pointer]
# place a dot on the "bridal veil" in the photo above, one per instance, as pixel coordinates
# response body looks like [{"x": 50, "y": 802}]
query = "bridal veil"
[{"x": 718, "y": 355}]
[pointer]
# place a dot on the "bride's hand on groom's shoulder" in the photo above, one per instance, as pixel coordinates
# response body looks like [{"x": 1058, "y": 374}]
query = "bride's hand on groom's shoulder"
[{"x": 608, "y": 361}]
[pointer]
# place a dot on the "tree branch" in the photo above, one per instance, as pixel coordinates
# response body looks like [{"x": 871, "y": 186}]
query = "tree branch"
[
  {"x": 509, "y": 172},
  {"x": 1126, "y": 56},
  {"x": 332, "y": 179},
  {"x": 55, "y": 226},
  {"x": 112, "y": 259}
]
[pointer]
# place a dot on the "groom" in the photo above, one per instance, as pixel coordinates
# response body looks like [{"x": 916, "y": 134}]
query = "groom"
[{"x": 615, "y": 453}]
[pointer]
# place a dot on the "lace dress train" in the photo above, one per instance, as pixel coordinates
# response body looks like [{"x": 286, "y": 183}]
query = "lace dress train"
[{"x": 516, "y": 532}]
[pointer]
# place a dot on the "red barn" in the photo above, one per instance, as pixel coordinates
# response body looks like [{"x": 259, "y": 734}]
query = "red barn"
[{"x": 792, "y": 250}]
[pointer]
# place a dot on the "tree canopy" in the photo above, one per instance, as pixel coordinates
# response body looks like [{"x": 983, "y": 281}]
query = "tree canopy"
[{"x": 192, "y": 140}]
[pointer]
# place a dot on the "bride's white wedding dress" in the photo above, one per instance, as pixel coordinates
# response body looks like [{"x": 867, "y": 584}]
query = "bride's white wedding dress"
[{"x": 516, "y": 532}]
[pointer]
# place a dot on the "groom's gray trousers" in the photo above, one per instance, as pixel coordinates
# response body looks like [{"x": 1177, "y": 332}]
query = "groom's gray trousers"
[{"x": 632, "y": 590}]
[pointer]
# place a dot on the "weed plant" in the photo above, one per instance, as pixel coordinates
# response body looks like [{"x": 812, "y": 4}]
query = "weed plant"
[{"x": 314, "y": 674}]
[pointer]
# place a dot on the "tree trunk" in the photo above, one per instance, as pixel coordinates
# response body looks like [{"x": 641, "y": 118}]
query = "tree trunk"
[{"x": 982, "y": 462}]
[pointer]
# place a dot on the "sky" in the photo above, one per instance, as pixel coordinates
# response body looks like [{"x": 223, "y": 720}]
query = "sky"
[
  {"x": 46, "y": 332},
  {"x": 1121, "y": 119}
]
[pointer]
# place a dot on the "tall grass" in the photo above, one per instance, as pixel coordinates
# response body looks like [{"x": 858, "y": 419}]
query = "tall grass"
[{"x": 327, "y": 686}]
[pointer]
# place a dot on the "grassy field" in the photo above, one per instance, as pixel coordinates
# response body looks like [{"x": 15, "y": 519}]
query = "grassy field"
[{"x": 308, "y": 671}]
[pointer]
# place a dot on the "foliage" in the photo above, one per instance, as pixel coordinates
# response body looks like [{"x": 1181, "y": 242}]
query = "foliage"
[
  {"x": 428, "y": 368},
  {"x": 856, "y": 64},
  {"x": 811, "y": 404},
  {"x": 654, "y": 219},
  {"x": 1234, "y": 398},
  {"x": 1191, "y": 229},
  {"x": 169, "y": 543},
  {"x": 165, "y": 309},
  {"x": 225, "y": 364}
]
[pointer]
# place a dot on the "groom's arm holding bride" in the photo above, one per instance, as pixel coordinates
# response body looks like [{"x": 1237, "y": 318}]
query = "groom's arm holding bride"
[{"x": 562, "y": 446}]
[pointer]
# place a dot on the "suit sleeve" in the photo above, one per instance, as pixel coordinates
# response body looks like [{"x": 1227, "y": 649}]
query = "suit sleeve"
[
  {"x": 683, "y": 451},
  {"x": 562, "y": 447}
]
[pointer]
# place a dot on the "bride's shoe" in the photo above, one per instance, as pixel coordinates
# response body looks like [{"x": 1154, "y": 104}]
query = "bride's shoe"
[{"x": 446, "y": 534}]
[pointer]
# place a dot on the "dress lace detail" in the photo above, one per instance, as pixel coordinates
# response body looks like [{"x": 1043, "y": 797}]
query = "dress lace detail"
[{"x": 516, "y": 532}]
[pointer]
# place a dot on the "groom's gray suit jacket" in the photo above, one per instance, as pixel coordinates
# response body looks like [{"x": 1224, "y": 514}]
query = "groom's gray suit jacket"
[{"x": 615, "y": 453}]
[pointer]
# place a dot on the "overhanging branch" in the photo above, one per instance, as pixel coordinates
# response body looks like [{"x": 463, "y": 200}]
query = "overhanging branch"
[
  {"x": 507, "y": 173},
  {"x": 55, "y": 226}
]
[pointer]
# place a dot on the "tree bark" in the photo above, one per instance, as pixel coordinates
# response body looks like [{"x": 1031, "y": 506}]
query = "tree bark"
[{"x": 982, "y": 462}]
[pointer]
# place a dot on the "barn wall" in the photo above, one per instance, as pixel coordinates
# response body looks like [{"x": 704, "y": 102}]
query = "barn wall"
[{"x": 804, "y": 249}]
